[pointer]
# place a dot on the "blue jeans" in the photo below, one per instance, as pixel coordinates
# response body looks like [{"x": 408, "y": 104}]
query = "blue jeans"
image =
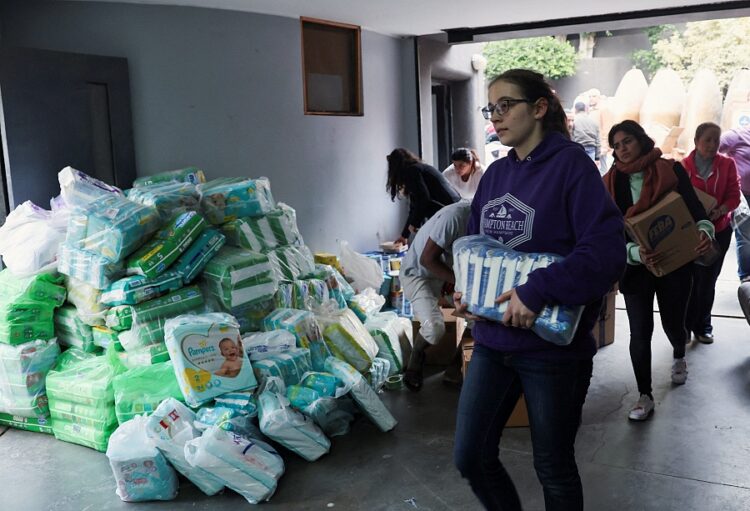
[
  {"x": 591, "y": 151},
  {"x": 742, "y": 236},
  {"x": 555, "y": 391}
]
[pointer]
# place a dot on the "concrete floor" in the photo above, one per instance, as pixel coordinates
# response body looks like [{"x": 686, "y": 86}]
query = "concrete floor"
[{"x": 693, "y": 454}]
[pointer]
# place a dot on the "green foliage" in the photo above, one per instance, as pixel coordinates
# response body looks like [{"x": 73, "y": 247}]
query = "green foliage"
[
  {"x": 649, "y": 61},
  {"x": 546, "y": 55}
]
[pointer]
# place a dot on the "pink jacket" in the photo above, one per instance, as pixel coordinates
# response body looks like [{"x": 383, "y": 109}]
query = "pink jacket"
[{"x": 723, "y": 183}]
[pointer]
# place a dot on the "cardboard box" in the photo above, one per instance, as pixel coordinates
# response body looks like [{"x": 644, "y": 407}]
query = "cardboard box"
[
  {"x": 709, "y": 201},
  {"x": 668, "y": 227},
  {"x": 604, "y": 328}
]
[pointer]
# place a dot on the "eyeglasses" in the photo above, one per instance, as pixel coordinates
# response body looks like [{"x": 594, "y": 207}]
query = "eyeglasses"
[{"x": 501, "y": 107}]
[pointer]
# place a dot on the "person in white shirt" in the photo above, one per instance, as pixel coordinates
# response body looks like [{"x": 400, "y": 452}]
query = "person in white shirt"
[{"x": 465, "y": 172}]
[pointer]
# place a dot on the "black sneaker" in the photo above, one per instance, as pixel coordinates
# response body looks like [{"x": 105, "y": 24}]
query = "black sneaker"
[{"x": 705, "y": 338}]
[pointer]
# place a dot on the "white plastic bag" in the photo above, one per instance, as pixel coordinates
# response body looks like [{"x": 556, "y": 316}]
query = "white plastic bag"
[
  {"x": 30, "y": 238},
  {"x": 363, "y": 271}
]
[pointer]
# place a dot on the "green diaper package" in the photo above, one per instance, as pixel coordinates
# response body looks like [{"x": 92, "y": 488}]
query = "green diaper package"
[
  {"x": 192, "y": 175},
  {"x": 251, "y": 316},
  {"x": 145, "y": 355},
  {"x": 167, "y": 198},
  {"x": 23, "y": 373},
  {"x": 192, "y": 262},
  {"x": 104, "y": 337},
  {"x": 43, "y": 287},
  {"x": 291, "y": 263},
  {"x": 71, "y": 331},
  {"x": 37, "y": 425},
  {"x": 386, "y": 331},
  {"x": 237, "y": 277},
  {"x": 277, "y": 228},
  {"x": 139, "y": 391},
  {"x": 138, "y": 288},
  {"x": 93, "y": 269},
  {"x": 229, "y": 198},
  {"x": 123, "y": 317},
  {"x": 27, "y": 306},
  {"x": 167, "y": 245}
]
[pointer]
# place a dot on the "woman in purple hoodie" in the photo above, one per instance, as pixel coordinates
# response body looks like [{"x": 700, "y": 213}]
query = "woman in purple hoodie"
[{"x": 548, "y": 197}]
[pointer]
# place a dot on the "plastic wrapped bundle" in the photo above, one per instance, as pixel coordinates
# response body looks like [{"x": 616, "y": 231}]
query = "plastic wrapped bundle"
[
  {"x": 86, "y": 300},
  {"x": 485, "y": 269},
  {"x": 105, "y": 337},
  {"x": 86, "y": 266},
  {"x": 71, "y": 331},
  {"x": 250, "y": 316},
  {"x": 147, "y": 355},
  {"x": 167, "y": 198},
  {"x": 71, "y": 357},
  {"x": 170, "y": 427},
  {"x": 338, "y": 288},
  {"x": 46, "y": 288},
  {"x": 378, "y": 373},
  {"x": 291, "y": 263},
  {"x": 308, "y": 294},
  {"x": 192, "y": 262},
  {"x": 30, "y": 238},
  {"x": 138, "y": 288},
  {"x": 385, "y": 329},
  {"x": 227, "y": 199},
  {"x": 323, "y": 410},
  {"x": 243, "y": 403},
  {"x": 79, "y": 189},
  {"x": 27, "y": 306},
  {"x": 141, "y": 471},
  {"x": 246, "y": 465},
  {"x": 304, "y": 327},
  {"x": 227, "y": 419},
  {"x": 237, "y": 277},
  {"x": 123, "y": 317},
  {"x": 37, "y": 425},
  {"x": 347, "y": 338},
  {"x": 277, "y": 228},
  {"x": 192, "y": 175},
  {"x": 23, "y": 373},
  {"x": 366, "y": 303},
  {"x": 139, "y": 391},
  {"x": 112, "y": 227},
  {"x": 259, "y": 344},
  {"x": 362, "y": 393},
  {"x": 206, "y": 350},
  {"x": 288, "y": 366}
]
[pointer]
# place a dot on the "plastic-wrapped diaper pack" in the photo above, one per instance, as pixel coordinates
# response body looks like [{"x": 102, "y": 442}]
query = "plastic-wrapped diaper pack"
[
  {"x": 104, "y": 337},
  {"x": 27, "y": 305},
  {"x": 338, "y": 288},
  {"x": 250, "y": 316},
  {"x": 86, "y": 266},
  {"x": 277, "y": 228},
  {"x": 237, "y": 277},
  {"x": 30, "y": 238},
  {"x": 307, "y": 294},
  {"x": 167, "y": 198},
  {"x": 259, "y": 344},
  {"x": 241, "y": 402},
  {"x": 227, "y": 199},
  {"x": 23, "y": 373},
  {"x": 144, "y": 356},
  {"x": 86, "y": 300},
  {"x": 305, "y": 328},
  {"x": 79, "y": 189},
  {"x": 362, "y": 393},
  {"x": 141, "y": 471},
  {"x": 112, "y": 227},
  {"x": 139, "y": 288},
  {"x": 170, "y": 427},
  {"x": 292, "y": 262},
  {"x": 485, "y": 268},
  {"x": 366, "y": 303},
  {"x": 206, "y": 350},
  {"x": 140, "y": 390},
  {"x": 228, "y": 419},
  {"x": 289, "y": 366},
  {"x": 378, "y": 373},
  {"x": 323, "y": 410},
  {"x": 72, "y": 331},
  {"x": 192, "y": 262},
  {"x": 123, "y": 317},
  {"x": 347, "y": 338},
  {"x": 166, "y": 245},
  {"x": 385, "y": 329},
  {"x": 192, "y": 175}
]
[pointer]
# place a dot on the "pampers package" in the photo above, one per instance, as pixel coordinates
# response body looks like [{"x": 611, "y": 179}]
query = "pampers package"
[
  {"x": 79, "y": 189},
  {"x": 236, "y": 277},
  {"x": 124, "y": 317},
  {"x": 86, "y": 266},
  {"x": 27, "y": 305},
  {"x": 71, "y": 331},
  {"x": 139, "y": 288},
  {"x": 206, "y": 350},
  {"x": 193, "y": 261},
  {"x": 485, "y": 268},
  {"x": 192, "y": 175},
  {"x": 290, "y": 262},
  {"x": 229, "y": 198},
  {"x": 167, "y": 198},
  {"x": 277, "y": 228}
]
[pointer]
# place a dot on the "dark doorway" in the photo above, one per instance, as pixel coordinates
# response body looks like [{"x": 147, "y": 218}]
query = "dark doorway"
[{"x": 442, "y": 124}]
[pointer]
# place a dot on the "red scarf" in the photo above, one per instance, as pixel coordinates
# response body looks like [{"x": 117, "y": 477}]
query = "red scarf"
[{"x": 658, "y": 179}]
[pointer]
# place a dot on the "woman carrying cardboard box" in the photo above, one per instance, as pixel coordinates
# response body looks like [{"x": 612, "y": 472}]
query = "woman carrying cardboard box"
[{"x": 640, "y": 178}]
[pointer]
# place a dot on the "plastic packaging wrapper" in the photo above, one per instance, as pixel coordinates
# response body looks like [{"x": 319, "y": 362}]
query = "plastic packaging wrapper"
[
  {"x": 167, "y": 198},
  {"x": 206, "y": 350},
  {"x": 378, "y": 373},
  {"x": 347, "y": 338},
  {"x": 228, "y": 419},
  {"x": 86, "y": 266},
  {"x": 192, "y": 262},
  {"x": 305, "y": 328},
  {"x": 123, "y": 317},
  {"x": 170, "y": 427},
  {"x": 141, "y": 390},
  {"x": 138, "y": 288},
  {"x": 250, "y": 316},
  {"x": 338, "y": 288},
  {"x": 259, "y": 344},
  {"x": 308, "y": 294},
  {"x": 280, "y": 422},
  {"x": 27, "y": 306},
  {"x": 485, "y": 269},
  {"x": 361, "y": 270},
  {"x": 23, "y": 373},
  {"x": 192, "y": 175},
  {"x": 325, "y": 384},
  {"x": 248, "y": 466},
  {"x": 227, "y": 199},
  {"x": 30, "y": 239},
  {"x": 366, "y": 304},
  {"x": 86, "y": 300},
  {"x": 45, "y": 288},
  {"x": 71, "y": 357},
  {"x": 385, "y": 329},
  {"x": 277, "y": 228},
  {"x": 112, "y": 227},
  {"x": 324, "y": 411},
  {"x": 141, "y": 471},
  {"x": 166, "y": 245},
  {"x": 79, "y": 189},
  {"x": 71, "y": 331},
  {"x": 292, "y": 263},
  {"x": 144, "y": 356},
  {"x": 237, "y": 277},
  {"x": 104, "y": 337},
  {"x": 289, "y": 366},
  {"x": 362, "y": 393},
  {"x": 241, "y": 402},
  {"x": 37, "y": 425}
]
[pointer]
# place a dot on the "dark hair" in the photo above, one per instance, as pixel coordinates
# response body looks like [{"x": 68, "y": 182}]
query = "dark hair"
[
  {"x": 533, "y": 87},
  {"x": 466, "y": 155},
  {"x": 636, "y": 131},
  {"x": 399, "y": 160},
  {"x": 704, "y": 127},
  {"x": 580, "y": 106}
]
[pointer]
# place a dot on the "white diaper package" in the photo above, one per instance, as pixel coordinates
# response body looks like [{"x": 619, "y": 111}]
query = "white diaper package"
[
  {"x": 346, "y": 337},
  {"x": 386, "y": 329},
  {"x": 259, "y": 344},
  {"x": 206, "y": 350},
  {"x": 141, "y": 471},
  {"x": 79, "y": 189},
  {"x": 170, "y": 427},
  {"x": 248, "y": 466}
]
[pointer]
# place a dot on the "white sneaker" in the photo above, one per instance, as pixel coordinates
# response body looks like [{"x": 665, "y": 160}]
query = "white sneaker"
[
  {"x": 642, "y": 408},
  {"x": 679, "y": 371}
]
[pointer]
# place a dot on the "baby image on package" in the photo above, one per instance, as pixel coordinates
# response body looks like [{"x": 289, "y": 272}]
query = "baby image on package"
[{"x": 207, "y": 354}]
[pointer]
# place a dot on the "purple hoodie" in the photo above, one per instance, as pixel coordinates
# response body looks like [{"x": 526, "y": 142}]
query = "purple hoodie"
[
  {"x": 736, "y": 143},
  {"x": 553, "y": 201}
]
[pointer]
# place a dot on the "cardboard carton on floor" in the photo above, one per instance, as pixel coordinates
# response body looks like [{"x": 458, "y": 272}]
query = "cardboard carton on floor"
[
  {"x": 709, "y": 201},
  {"x": 668, "y": 227},
  {"x": 442, "y": 353},
  {"x": 604, "y": 328}
]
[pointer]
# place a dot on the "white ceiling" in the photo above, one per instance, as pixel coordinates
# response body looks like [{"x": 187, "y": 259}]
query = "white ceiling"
[{"x": 422, "y": 17}]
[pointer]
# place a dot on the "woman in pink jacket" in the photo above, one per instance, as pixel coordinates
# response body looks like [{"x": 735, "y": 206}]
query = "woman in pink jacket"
[{"x": 716, "y": 175}]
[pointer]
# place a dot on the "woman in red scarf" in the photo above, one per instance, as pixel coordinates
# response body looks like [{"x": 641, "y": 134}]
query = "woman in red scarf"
[{"x": 638, "y": 179}]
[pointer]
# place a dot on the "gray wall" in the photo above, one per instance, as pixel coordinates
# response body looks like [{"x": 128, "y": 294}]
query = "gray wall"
[{"x": 223, "y": 90}]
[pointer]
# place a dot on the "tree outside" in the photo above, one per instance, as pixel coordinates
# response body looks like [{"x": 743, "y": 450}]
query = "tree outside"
[{"x": 553, "y": 57}]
